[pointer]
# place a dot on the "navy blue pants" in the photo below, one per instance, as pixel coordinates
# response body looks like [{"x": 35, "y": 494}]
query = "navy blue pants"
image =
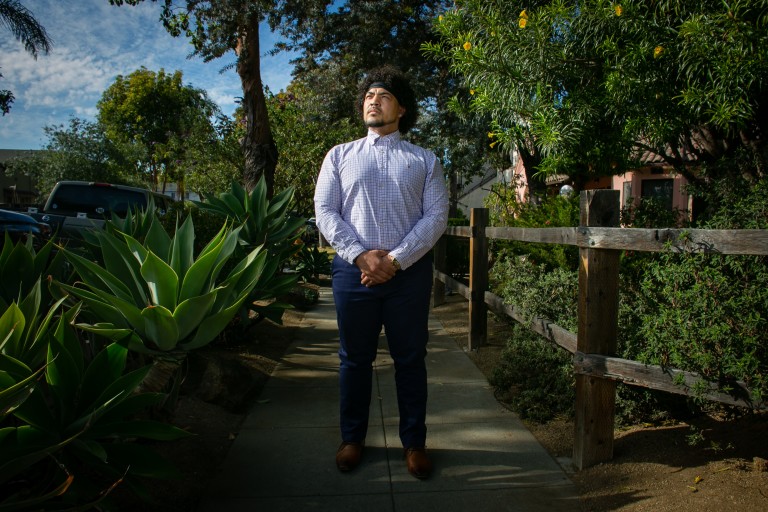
[{"x": 401, "y": 306}]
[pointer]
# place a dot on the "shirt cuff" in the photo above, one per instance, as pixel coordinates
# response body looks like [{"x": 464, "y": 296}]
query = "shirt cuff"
[{"x": 354, "y": 252}]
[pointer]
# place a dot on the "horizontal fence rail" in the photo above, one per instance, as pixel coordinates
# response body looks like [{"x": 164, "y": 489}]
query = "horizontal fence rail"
[
  {"x": 710, "y": 241},
  {"x": 597, "y": 369},
  {"x": 615, "y": 368}
]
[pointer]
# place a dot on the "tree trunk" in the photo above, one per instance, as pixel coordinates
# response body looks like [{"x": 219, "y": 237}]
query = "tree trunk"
[
  {"x": 453, "y": 194},
  {"x": 258, "y": 145},
  {"x": 160, "y": 375}
]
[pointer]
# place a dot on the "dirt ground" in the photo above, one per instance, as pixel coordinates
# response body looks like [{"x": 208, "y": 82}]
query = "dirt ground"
[{"x": 654, "y": 467}]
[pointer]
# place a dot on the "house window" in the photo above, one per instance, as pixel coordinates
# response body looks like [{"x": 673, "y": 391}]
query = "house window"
[{"x": 658, "y": 190}]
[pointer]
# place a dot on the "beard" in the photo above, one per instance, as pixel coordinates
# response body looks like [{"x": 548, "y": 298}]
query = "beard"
[{"x": 375, "y": 123}]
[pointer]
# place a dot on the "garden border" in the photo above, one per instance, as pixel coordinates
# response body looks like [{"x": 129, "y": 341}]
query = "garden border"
[{"x": 600, "y": 243}]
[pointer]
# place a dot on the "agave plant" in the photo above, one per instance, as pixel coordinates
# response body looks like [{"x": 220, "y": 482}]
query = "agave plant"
[
  {"x": 68, "y": 439},
  {"x": 264, "y": 223},
  {"x": 312, "y": 262},
  {"x": 158, "y": 297},
  {"x": 22, "y": 267},
  {"x": 137, "y": 223}
]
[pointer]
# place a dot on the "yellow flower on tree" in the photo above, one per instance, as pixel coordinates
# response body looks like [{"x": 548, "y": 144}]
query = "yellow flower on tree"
[
  {"x": 523, "y": 21},
  {"x": 493, "y": 143},
  {"x": 472, "y": 92},
  {"x": 658, "y": 51},
  {"x": 467, "y": 46},
  {"x": 618, "y": 9}
]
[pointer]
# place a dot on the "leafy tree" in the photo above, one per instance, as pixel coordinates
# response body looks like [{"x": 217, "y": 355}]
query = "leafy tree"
[
  {"x": 337, "y": 48},
  {"x": 338, "y": 41},
  {"x": 155, "y": 113},
  {"x": 210, "y": 161},
  {"x": 587, "y": 87},
  {"x": 79, "y": 151},
  {"x": 304, "y": 138},
  {"x": 26, "y": 29},
  {"x": 194, "y": 151},
  {"x": 217, "y": 28}
]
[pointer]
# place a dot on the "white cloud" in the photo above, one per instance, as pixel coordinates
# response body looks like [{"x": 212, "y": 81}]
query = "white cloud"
[{"x": 93, "y": 43}]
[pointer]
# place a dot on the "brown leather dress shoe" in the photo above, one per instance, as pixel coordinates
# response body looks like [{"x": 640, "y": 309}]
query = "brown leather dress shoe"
[
  {"x": 418, "y": 462},
  {"x": 348, "y": 456}
]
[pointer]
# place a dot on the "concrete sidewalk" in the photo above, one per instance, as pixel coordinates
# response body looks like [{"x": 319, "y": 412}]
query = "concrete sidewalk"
[{"x": 283, "y": 458}]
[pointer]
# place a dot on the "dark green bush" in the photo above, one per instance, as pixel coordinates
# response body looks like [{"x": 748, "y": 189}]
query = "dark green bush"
[
  {"x": 207, "y": 224},
  {"x": 706, "y": 313},
  {"x": 702, "y": 313},
  {"x": 652, "y": 213},
  {"x": 312, "y": 263},
  {"x": 554, "y": 211},
  {"x": 534, "y": 376}
]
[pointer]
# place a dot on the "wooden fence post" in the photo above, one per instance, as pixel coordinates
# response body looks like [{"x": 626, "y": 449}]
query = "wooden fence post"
[
  {"x": 478, "y": 278},
  {"x": 597, "y": 332},
  {"x": 438, "y": 287}
]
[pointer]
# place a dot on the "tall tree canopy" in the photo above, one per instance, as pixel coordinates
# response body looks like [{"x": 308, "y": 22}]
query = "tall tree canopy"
[
  {"x": 586, "y": 87},
  {"x": 337, "y": 42},
  {"x": 217, "y": 28},
  {"x": 28, "y": 31},
  {"x": 304, "y": 138},
  {"x": 352, "y": 37},
  {"x": 156, "y": 114}
]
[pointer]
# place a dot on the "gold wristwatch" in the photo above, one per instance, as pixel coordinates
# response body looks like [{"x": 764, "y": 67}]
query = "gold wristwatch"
[{"x": 395, "y": 263}]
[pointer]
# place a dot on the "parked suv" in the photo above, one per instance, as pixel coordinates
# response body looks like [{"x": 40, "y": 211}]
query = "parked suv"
[{"x": 76, "y": 205}]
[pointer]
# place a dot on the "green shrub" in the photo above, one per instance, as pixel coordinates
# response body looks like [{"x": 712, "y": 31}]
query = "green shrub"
[
  {"x": 653, "y": 213},
  {"x": 703, "y": 313},
  {"x": 554, "y": 211},
  {"x": 706, "y": 313},
  {"x": 207, "y": 224},
  {"x": 312, "y": 263},
  {"x": 543, "y": 293},
  {"x": 535, "y": 376}
]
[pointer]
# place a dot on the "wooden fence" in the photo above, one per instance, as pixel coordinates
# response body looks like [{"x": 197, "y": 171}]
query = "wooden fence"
[{"x": 600, "y": 243}]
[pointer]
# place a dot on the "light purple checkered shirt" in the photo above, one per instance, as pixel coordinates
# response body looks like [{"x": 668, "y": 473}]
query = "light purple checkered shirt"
[{"x": 381, "y": 193}]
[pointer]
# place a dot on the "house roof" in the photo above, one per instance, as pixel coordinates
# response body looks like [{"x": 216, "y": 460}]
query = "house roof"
[{"x": 653, "y": 158}]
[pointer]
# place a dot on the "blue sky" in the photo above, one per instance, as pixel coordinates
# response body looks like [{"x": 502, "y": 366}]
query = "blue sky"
[{"x": 94, "y": 42}]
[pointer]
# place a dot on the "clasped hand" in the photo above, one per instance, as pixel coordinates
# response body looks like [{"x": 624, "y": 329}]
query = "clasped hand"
[{"x": 376, "y": 267}]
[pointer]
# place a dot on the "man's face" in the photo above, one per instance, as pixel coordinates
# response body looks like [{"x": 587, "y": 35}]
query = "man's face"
[{"x": 381, "y": 110}]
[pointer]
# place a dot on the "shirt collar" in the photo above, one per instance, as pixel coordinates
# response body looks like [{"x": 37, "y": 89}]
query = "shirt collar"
[{"x": 388, "y": 139}]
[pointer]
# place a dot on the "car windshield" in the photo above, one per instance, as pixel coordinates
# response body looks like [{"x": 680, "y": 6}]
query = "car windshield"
[{"x": 94, "y": 199}]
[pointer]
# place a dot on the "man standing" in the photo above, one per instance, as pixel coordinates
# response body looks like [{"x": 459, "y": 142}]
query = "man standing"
[{"x": 382, "y": 204}]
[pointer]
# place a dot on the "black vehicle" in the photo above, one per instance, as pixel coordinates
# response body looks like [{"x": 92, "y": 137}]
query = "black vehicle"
[
  {"x": 20, "y": 226},
  {"x": 73, "y": 206}
]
